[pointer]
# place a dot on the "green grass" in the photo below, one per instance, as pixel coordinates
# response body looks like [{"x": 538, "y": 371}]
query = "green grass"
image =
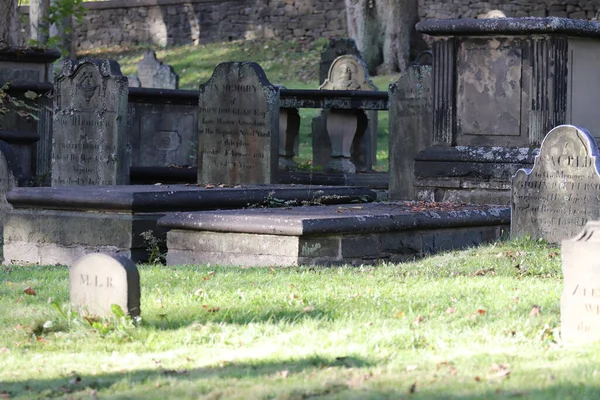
[
  {"x": 292, "y": 64},
  {"x": 453, "y": 326}
]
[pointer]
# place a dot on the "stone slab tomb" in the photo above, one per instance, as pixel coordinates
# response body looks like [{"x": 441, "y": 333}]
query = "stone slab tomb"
[
  {"x": 343, "y": 139},
  {"x": 329, "y": 235},
  {"x": 90, "y": 143},
  {"x": 561, "y": 193},
  {"x": 499, "y": 85},
  {"x": 97, "y": 281},
  {"x": 50, "y": 225},
  {"x": 238, "y": 126},
  {"x": 152, "y": 73},
  {"x": 580, "y": 300}
]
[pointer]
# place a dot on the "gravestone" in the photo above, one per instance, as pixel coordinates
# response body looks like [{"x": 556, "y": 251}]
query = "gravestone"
[
  {"x": 580, "y": 300},
  {"x": 334, "y": 49},
  {"x": 152, "y": 73},
  {"x": 97, "y": 281},
  {"x": 412, "y": 128},
  {"x": 134, "y": 81},
  {"x": 561, "y": 193},
  {"x": 238, "y": 126},
  {"x": 346, "y": 141},
  {"x": 90, "y": 144},
  {"x": 10, "y": 175}
]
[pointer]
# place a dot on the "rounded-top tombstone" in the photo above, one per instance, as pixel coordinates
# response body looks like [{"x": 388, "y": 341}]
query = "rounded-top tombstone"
[
  {"x": 555, "y": 199},
  {"x": 97, "y": 281}
]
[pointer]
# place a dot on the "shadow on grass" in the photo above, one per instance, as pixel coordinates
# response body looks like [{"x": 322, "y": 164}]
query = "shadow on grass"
[
  {"x": 77, "y": 385},
  {"x": 233, "y": 316}
]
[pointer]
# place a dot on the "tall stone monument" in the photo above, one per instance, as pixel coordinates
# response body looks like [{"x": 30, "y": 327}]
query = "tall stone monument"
[
  {"x": 90, "y": 143},
  {"x": 561, "y": 193},
  {"x": 410, "y": 113},
  {"x": 97, "y": 281},
  {"x": 238, "y": 126}
]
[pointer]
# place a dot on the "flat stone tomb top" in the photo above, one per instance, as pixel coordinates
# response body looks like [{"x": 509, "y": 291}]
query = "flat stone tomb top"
[
  {"x": 372, "y": 217},
  {"x": 162, "y": 198},
  {"x": 510, "y": 26}
]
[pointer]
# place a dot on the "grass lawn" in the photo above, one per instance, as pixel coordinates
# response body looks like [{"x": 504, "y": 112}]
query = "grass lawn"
[
  {"x": 294, "y": 65},
  {"x": 472, "y": 324}
]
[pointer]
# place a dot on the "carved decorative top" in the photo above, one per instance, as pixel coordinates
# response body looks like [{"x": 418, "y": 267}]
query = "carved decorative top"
[{"x": 348, "y": 72}]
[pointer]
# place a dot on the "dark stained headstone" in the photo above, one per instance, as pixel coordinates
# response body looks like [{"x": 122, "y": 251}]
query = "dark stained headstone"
[
  {"x": 238, "y": 126},
  {"x": 411, "y": 129},
  {"x": 10, "y": 175},
  {"x": 580, "y": 300},
  {"x": 152, "y": 73},
  {"x": 561, "y": 193},
  {"x": 97, "y": 281},
  {"x": 90, "y": 143},
  {"x": 334, "y": 49}
]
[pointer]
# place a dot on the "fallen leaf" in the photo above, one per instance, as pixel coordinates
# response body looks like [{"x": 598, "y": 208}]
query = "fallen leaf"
[
  {"x": 75, "y": 380},
  {"x": 478, "y": 379},
  {"x": 400, "y": 314},
  {"x": 480, "y": 311},
  {"x": 535, "y": 311},
  {"x": 213, "y": 309},
  {"x": 418, "y": 320},
  {"x": 284, "y": 373},
  {"x": 308, "y": 309},
  {"x": 209, "y": 186},
  {"x": 198, "y": 292},
  {"x": 500, "y": 374},
  {"x": 552, "y": 254},
  {"x": 4, "y": 350},
  {"x": 413, "y": 388},
  {"x": 29, "y": 291},
  {"x": 19, "y": 299},
  {"x": 500, "y": 367},
  {"x": 450, "y": 310}
]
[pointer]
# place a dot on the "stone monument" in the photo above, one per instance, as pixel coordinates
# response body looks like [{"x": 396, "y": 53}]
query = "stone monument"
[
  {"x": 561, "y": 193},
  {"x": 580, "y": 300},
  {"x": 335, "y": 47},
  {"x": 90, "y": 144},
  {"x": 344, "y": 140},
  {"x": 152, "y": 73},
  {"x": 411, "y": 112},
  {"x": 97, "y": 281},
  {"x": 238, "y": 124}
]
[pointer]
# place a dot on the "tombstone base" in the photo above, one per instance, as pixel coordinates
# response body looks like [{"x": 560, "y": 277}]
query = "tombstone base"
[
  {"x": 341, "y": 164},
  {"x": 468, "y": 174},
  {"x": 58, "y": 225},
  {"x": 328, "y": 235}
]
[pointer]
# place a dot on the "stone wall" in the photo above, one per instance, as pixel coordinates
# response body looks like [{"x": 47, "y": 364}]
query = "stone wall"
[{"x": 173, "y": 22}]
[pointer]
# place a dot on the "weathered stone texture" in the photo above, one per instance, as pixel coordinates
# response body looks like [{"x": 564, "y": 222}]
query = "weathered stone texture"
[{"x": 170, "y": 22}]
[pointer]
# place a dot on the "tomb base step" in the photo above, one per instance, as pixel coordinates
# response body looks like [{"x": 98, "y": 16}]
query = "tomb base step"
[
  {"x": 50, "y": 225},
  {"x": 329, "y": 235}
]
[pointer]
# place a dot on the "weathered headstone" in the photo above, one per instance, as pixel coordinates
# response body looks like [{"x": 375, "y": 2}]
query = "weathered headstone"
[
  {"x": 134, "y": 81},
  {"x": 238, "y": 124},
  {"x": 97, "y": 281},
  {"x": 10, "y": 174},
  {"x": 334, "y": 49},
  {"x": 346, "y": 141},
  {"x": 561, "y": 193},
  {"x": 152, "y": 73},
  {"x": 90, "y": 143},
  {"x": 411, "y": 129},
  {"x": 580, "y": 300}
]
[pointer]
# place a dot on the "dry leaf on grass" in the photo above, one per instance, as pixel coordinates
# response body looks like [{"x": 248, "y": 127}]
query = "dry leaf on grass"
[
  {"x": 29, "y": 291},
  {"x": 418, "y": 320},
  {"x": 308, "y": 309},
  {"x": 450, "y": 310},
  {"x": 535, "y": 311}
]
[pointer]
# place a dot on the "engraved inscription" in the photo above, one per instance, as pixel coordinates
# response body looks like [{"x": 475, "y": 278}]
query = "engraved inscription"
[
  {"x": 235, "y": 128},
  {"x": 561, "y": 193}
]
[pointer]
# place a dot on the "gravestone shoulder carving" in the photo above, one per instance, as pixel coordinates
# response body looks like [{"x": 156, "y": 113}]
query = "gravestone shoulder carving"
[
  {"x": 90, "y": 143},
  {"x": 97, "y": 281},
  {"x": 238, "y": 126},
  {"x": 555, "y": 199}
]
